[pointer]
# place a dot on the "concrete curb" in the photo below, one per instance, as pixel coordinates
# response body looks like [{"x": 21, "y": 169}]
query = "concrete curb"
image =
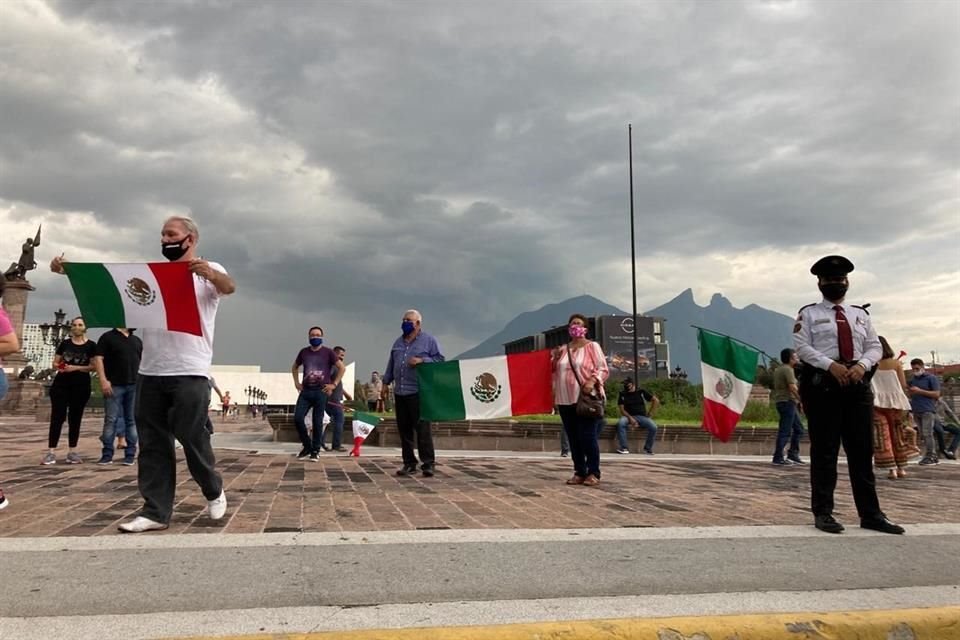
[{"x": 941, "y": 623}]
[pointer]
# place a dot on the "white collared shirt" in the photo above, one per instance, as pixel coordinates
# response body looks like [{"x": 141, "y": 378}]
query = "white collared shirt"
[
  {"x": 815, "y": 335},
  {"x": 172, "y": 353}
]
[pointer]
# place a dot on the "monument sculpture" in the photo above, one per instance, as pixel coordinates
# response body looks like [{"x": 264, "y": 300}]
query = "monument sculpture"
[
  {"x": 18, "y": 270},
  {"x": 25, "y": 394}
]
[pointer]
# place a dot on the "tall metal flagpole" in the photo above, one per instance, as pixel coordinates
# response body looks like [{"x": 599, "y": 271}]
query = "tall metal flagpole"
[{"x": 633, "y": 266}]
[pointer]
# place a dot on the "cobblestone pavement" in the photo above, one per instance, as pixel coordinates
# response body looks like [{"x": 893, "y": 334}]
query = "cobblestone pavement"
[{"x": 276, "y": 492}]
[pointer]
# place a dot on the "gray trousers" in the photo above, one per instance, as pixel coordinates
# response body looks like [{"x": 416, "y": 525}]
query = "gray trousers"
[
  {"x": 925, "y": 427},
  {"x": 171, "y": 407}
]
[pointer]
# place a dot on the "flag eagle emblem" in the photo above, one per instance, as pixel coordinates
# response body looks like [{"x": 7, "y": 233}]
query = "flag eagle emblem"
[
  {"x": 485, "y": 388},
  {"x": 140, "y": 292}
]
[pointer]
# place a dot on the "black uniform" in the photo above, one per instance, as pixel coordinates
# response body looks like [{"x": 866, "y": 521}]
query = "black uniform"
[{"x": 839, "y": 414}]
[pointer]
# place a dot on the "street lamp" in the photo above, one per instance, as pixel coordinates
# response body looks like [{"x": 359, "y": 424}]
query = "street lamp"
[{"x": 54, "y": 334}]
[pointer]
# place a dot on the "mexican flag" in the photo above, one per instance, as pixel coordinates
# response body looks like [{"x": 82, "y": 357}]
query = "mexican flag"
[
  {"x": 485, "y": 388},
  {"x": 156, "y": 295},
  {"x": 729, "y": 369},
  {"x": 363, "y": 424}
]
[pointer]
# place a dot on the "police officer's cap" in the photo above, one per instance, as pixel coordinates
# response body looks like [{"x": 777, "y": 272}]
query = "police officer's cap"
[{"x": 831, "y": 266}]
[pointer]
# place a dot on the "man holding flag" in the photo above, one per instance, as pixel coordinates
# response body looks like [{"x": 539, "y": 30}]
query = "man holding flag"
[
  {"x": 839, "y": 348},
  {"x": 412, "y": 348},
  {"x": 173, "y": 391}
]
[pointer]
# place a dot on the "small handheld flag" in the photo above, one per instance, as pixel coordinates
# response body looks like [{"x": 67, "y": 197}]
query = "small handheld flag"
[{"x": 363, "y": 424}]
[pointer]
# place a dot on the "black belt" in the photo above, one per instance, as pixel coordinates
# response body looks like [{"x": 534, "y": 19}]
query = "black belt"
[{"x": 815, "y": 377}]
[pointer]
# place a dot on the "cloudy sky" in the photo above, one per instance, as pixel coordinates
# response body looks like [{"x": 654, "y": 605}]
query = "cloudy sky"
[{"x": 347, "y": 161}]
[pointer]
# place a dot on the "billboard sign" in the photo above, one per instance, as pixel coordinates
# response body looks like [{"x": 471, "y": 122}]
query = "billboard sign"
[{"x": 616, "y": 337}]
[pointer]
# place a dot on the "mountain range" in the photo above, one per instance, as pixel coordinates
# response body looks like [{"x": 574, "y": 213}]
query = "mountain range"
[{"x": 765, "y": 329}]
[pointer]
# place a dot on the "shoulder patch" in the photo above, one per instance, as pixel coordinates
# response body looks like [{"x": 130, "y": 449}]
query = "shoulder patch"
[{"x": 796, "y": 328}]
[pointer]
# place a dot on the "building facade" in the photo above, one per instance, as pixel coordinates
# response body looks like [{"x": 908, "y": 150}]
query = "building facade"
[
  {"x": 38, "y": 353},
  {"x": 615, "y": 335}
]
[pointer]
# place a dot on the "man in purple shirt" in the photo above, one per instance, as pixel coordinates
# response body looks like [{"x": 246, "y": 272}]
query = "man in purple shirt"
[
  {"x": 409, "y": 350},
  {"x": 322, "y": 370}
]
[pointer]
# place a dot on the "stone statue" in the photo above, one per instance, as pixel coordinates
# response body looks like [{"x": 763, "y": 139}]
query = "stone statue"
[
  {"x": 18, "y": 270},
  {"x": 26, "y": 372}
]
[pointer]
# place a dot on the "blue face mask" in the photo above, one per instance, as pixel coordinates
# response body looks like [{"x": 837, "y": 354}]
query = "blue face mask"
[
  {"x": 316, "y": 342},
  {"x": 407, "y": 327}
]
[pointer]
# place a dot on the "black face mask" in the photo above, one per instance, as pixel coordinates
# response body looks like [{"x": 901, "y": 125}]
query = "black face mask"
[
  {"x": 173, "y": 250},
  {"x": 833, "y": 291}
]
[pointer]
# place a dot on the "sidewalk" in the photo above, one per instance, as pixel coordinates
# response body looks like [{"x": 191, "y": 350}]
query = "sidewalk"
[{"x": 270, "y": 491}]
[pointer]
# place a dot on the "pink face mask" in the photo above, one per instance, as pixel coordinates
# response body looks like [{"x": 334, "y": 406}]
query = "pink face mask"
[{"x": 577, "y": 331}]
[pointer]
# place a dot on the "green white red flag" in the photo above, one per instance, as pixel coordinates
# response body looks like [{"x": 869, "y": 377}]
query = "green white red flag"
[
  {"x": 729, "y": 369},
  {"x": 486, "y": 388},
  {"x": 363, "y": 424},
  {"x": 156, "y": 295}
]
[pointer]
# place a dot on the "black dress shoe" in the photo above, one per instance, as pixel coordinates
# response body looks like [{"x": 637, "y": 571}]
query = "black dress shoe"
[
  {"x": 881, "y": 524},
  {"x": 428, "y": 472},
  {"x": 407, "y": 470},
  {"x": 828, "y": 524}
]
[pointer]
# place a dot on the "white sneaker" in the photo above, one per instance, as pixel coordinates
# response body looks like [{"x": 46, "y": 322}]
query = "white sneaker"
[
  {"x": 218, "y": 507},
  {"x": 141, "y": 524}
]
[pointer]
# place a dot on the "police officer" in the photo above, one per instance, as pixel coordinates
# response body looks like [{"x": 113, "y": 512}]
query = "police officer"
[{"x": 838, "y": 348}]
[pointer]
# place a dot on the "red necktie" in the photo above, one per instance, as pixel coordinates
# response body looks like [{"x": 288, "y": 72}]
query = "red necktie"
[{"x": 844, "y": 335}]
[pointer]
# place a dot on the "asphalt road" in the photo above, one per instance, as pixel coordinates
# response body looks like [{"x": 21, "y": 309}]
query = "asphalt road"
[{"x": 182, "y": 578}]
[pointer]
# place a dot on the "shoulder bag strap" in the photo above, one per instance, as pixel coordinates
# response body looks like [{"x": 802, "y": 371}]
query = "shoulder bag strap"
[{"x": 574, "y": 367}]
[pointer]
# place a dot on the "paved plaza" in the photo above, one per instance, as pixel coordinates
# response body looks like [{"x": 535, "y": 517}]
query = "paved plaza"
[{"x": 270, "y": 491}]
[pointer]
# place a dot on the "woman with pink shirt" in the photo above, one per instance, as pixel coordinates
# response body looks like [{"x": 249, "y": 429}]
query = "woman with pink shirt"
[
  {"x": 8, "y": 344},
  {"x": 581, "y": 361}
]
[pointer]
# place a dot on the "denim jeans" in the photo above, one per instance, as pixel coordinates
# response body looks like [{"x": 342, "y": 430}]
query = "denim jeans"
[
  {"x": 791, "y": 428},
  {"x": 314, "y": 399},
  {"x": 582, "y": 433},
  {"x": 336, "y": 421},
  {"x": 118, "y": 420},
  {"x": 925, "y": 422},
  {"x": 940, "y": 428},
  {"x": 3, "y": 385},
  {"x": 642, "y": 421}
]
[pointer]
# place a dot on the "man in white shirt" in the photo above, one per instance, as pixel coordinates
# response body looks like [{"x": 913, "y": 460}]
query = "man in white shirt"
[{"x": 173, "y": 391}]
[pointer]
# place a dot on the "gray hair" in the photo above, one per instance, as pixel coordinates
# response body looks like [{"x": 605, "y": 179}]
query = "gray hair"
[
  {"x": 187, "y": 224},
  {"x": 414, "y": 313}
]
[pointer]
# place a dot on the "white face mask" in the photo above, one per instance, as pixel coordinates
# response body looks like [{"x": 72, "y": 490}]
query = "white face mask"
[{"x": 918, "y": 372}]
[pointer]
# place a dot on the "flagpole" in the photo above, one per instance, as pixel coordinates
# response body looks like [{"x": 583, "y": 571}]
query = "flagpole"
[{"x": 633, "y": 269}]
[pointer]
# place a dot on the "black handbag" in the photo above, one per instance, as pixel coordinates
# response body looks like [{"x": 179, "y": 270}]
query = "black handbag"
[{"x": 590, "y": 404}]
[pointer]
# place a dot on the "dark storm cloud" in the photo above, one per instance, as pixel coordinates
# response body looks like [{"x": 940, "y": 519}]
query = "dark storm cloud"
[{"x": 471, "y": 158}]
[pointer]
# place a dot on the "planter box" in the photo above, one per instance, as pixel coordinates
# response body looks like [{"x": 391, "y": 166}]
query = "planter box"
[{"x": 517, "y": 436}]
